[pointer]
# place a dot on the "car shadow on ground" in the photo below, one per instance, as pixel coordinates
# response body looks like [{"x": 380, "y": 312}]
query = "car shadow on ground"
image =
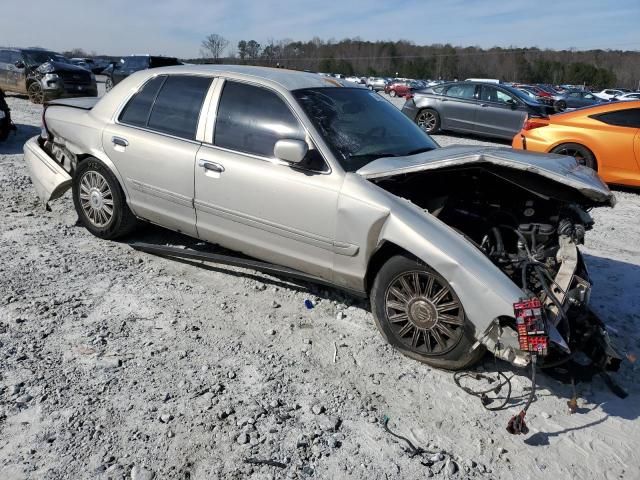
[
  {"x": 608, "y": 274},
  {"x": 14, "y": 144},
  {"x": 159, "y": 236}
]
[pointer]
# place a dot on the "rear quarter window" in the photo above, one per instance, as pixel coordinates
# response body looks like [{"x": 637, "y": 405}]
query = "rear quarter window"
[
  {"x": 177, "y": 108},
  {"x": 137, "y": 110},
  {"x": 620, "y": 118}
]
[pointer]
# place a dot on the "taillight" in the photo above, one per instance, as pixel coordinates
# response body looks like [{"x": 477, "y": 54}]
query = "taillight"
[
  {"x": 535, "y": 122},
  {"x": 45, "y": 131}
]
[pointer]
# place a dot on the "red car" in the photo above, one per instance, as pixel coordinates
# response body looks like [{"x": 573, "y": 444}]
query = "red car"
[{"x": 398, "y": 89}]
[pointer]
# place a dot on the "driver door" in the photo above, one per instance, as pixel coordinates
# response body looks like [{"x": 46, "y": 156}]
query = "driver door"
[{"x": 248, "y": 201}]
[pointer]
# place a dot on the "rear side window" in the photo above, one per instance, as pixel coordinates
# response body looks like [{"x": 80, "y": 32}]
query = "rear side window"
[
  {"x": 168, "y": 104},
  {"x": 137, "y": 110},
  {"x": 621, "y": 118},
  {"x": 252, "y": 119},
  {"x": 177, "y": 108},
  {"x": 464, "y": 90}
]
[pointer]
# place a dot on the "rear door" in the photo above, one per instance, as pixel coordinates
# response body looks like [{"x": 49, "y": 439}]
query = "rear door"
[
  {"x": 621, "y": 152},
  {"x": 459, "y": 107},
  {"x": 500, "y": 114},
  {"x": 153, "y": 145}
]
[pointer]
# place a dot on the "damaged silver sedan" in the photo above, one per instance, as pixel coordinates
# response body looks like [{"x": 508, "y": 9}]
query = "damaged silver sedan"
[{"x": 459, "y": 249}]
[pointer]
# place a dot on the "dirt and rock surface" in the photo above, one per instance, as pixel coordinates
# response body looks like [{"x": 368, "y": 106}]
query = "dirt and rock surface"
[{"x": 117, "y": 364}]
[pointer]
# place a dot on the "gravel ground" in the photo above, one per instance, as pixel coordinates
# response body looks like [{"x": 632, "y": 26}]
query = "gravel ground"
[{"x": 116, "y": 364}]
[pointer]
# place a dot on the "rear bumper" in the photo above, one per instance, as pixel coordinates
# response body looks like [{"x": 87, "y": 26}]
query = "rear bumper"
[
  {"x": 48, "y": 177},
  {"x": 410, "y": 110}
]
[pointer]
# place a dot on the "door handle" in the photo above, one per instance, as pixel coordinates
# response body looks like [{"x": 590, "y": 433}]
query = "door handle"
[
  {"x": 120, "y": 142},
  {"x": 484, "y": 105},
  {"x": 211, "y": 166}
]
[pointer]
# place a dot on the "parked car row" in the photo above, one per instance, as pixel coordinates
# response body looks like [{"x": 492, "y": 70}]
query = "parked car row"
[{"x": 43, "y": 75}]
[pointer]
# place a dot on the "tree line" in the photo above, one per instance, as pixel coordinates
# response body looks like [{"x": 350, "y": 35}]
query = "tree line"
[{"x": 595, "y": 68}]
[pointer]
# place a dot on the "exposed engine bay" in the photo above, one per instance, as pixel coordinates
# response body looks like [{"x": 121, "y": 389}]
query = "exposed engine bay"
[{"x": 530, "y": 229}]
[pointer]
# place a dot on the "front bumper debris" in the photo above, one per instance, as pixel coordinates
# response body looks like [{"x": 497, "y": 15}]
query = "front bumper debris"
[{"x": 49, "y": 178}]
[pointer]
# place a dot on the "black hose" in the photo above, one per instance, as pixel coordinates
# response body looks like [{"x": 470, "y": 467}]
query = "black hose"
[{"x": 482, "y": 394}]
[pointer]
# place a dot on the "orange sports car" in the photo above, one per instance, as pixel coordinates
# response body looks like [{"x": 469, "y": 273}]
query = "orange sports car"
[{"x": 604, "y": 137}]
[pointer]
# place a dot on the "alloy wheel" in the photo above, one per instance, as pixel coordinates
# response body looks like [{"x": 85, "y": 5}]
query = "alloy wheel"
[
  {"x": 573, "y": 152},
  {"x": 96, "y": 198},
  {"x": 36, "y": 95},
  {"x": 108, "y": 84},
  {"x": 424, "y": 313},
  {"x": 427, "y": 121}
]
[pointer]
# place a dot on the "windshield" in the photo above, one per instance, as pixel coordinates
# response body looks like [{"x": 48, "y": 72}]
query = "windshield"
[
  {"x": 360, "y": 126},
  {"x": 38, "y": 57}
]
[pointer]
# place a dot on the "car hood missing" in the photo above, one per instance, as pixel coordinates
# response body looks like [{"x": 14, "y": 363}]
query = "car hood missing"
[{"x": 560, "y": 169}]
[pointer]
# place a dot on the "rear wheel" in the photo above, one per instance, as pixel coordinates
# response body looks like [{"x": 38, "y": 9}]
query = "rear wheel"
[
  {"x": 560, "y": 106},
  {"x": 419, "y": 313},
  {"x": 582, "y": 154},
  {"x": 35, "y": 92},
  {"x": 100, "y": 201},
  {"x": 108, "y": 84},
  {"x": 428, "y": 120}
]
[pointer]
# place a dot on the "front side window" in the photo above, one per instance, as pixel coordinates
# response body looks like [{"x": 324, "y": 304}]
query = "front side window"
[
  {"x": 135, "y": 63},
  {"x": 492, "y": 94},
  {"x": 360, "y": 126},
  {"x": 252, "y": 119},
  {"x": 464, "y": 90}
]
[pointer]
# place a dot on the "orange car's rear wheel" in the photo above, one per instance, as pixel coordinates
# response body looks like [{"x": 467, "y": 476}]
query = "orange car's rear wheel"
[{"x": 582, "y": 154}]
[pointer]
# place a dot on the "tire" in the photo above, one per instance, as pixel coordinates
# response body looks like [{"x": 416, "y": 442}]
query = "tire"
[
  {"x": 428, "y": 120},
  {"x": 392, "y": 93},
  {"x": 560, "y": 106},
  {"x": 442, "y": 339},
  {"x": 100, "y": 202},
  {"x": 582, "y": 154},
  {"x": 370, "y": 87},
  {"x": 35, "y": 92},
  {"x": 108, "y": 84}
]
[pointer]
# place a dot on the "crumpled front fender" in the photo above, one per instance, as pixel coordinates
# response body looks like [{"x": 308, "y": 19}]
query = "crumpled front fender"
[{"x": 50, "y": 180}]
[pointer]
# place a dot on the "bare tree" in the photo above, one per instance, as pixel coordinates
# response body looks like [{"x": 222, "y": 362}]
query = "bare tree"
[{"x": 213, "y": 46}]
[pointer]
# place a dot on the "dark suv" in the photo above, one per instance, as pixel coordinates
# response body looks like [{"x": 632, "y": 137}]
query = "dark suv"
[
  {"x": 43, "y": 75},
  {"x": 132, "y": 64}
]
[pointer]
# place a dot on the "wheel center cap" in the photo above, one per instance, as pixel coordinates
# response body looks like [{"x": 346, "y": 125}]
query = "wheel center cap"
[
  {"x": 95, "y": 198},
  {"x": 422, "y": 314}
]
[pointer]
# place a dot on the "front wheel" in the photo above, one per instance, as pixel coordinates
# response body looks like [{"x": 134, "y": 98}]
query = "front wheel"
[
  {"x": 108, "y": 84},
  {"x": 100, "y": 202},
  {"x": 35, "y": 92},
  {"x": 419, "y": 313},
  {"x": 392, "y": 93}
]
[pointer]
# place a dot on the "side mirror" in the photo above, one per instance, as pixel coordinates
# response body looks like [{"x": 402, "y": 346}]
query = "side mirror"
[
  {"x": 513, "y": 104},
  {"x": 290, "y": 150},
  {"x": 19, "y": 64}
]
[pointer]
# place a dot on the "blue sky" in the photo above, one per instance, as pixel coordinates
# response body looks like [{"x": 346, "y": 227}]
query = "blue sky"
[{"x": 176, "y": 27}]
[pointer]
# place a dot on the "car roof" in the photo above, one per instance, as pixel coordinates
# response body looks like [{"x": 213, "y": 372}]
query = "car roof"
[{"x": 287, "y": 79}]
